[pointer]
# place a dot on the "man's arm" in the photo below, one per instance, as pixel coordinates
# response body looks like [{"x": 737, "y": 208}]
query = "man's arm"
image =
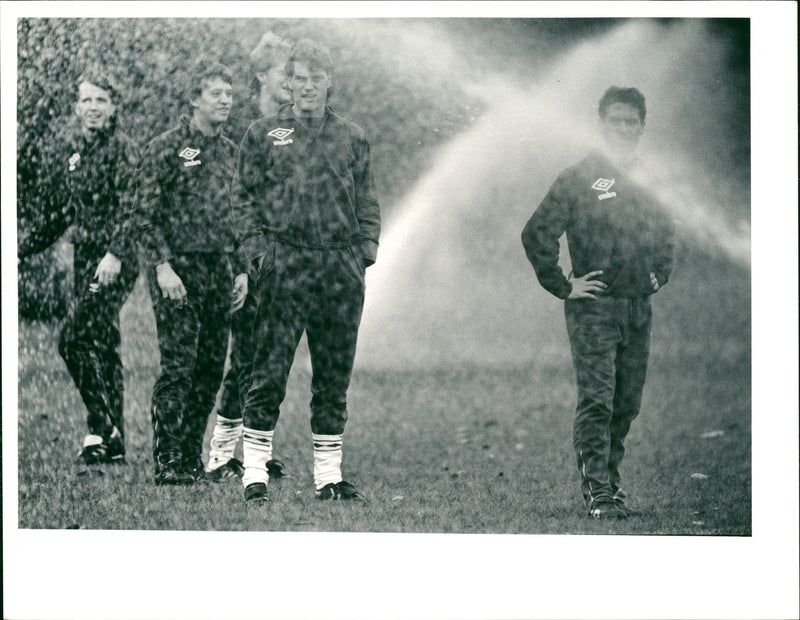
[
  {"x": 540, "y": 239},
  {"x": 150, "y": 204},
  {"x": 247, "y": 186},
  {"x": 54, "y": 212},
  {"x": 368, "y": 212},
  {"x": 125, "y": 181},
  {"x": 122, "y": 242},
  {"x": 152, "y": 201},
  {"x": 664, "y": 249}
]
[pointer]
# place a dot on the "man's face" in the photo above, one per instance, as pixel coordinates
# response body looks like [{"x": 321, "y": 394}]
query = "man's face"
[
  {"x": 275, "y": 83},
  {"x": 309, "y": 89},
  {"x": 94, "y": 108},
  {"x": 622, "y": 128},
  {"x": 214, "y": 103}
]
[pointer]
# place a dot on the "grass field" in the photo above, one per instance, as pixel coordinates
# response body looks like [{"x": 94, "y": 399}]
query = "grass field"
[{"x": 466, "y": 448}]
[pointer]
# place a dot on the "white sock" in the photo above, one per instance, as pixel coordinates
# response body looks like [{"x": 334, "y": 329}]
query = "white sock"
[
  {"x": 257, "y": 451},
  {"x": 327, "y": 459},
  {"x": 92, "y": 440},
  {"x": 223, "y": 441}
]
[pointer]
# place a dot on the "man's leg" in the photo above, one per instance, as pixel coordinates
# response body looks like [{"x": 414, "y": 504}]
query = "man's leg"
[
  {"x": 332, "y": 336},
  {"x": 228, "y": 424},
  {"x": 594, "y": 334},
  {"x": 89, "y": 345},
  {"x": 631, "y": 371},
  {"x": 178, "y": 328},
  {"x": 282, "y": 313},
  {"x": 212, "y": 345}
]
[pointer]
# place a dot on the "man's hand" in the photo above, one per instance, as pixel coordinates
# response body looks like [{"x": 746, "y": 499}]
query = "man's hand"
[
  {"x": 170, "y": 283},
  {"x": 654, "y": 281},
  {"x": 239, "y": 292},
  {"x": 108, "y": 269},
  {"x": 585, "y": 287}
]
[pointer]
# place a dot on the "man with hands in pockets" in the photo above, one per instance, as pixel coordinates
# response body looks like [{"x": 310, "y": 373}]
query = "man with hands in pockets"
[{"x": 308, "y": 220}]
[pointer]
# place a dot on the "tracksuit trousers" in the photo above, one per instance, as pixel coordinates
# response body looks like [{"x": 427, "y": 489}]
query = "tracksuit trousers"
[
  {"x": 90, "y": 339},
  {"x": 193, "y": 342},
  {"x": 321, "y": 292},
  {"x": 610, "y": 343}
]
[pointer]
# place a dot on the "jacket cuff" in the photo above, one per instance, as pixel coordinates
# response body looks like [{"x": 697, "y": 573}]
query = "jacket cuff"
[
  {"x": 238, "y": 263},
  {"x": 369, "y": 251},
  {"x": 563, "y": 291},
  {"x": 158, "y": 257},
  {"x": 251, "y": 248}
]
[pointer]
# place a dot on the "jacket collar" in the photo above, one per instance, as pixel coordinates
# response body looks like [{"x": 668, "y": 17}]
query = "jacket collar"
[
  {"x": 76, "y": 139},
  {"x": 194, "y": 132},
  {"x": 285, "y": 112}
]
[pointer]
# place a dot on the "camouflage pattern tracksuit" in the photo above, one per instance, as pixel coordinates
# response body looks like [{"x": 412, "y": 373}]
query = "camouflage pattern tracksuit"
[
  {"x": 90, "y": 184},
  {"x": 308, "y": 218},
  {"x": 612, "y": 225},
  {"x": 183, "y": 216}
]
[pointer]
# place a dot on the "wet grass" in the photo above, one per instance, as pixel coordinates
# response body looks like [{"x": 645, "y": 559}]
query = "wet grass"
[{"x": 467, "y": 449}]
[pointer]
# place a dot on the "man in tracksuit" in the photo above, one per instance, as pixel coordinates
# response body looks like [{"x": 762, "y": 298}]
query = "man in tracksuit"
[
  {"x": 87, "y": 180},
  {"x": 620, "y": 243},
  {"x": 268, "y": 61},
  {"x": 308, "y": 219},
  {"x": 183, "y": 217}
]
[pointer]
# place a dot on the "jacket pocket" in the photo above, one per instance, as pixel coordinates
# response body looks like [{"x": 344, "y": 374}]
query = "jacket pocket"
[{"x": 354, "y": 261}]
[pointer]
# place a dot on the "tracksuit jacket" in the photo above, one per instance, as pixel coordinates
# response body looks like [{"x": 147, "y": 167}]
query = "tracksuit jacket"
[
  {"x": 184, "y": 193},
  {"x": 89, "y": 184},
  {"x": 307, "y": 186},
  {"x": 612, "y": 225}
]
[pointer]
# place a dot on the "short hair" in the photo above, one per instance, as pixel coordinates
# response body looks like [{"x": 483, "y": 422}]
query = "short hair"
[
  {"x": 270, "y": 51},
  {"x": 205, "y": 70},
  {"x": 631, "y": 96},
  {"x": 315, "y": 55},
  {"x": 101, "y": 80}
]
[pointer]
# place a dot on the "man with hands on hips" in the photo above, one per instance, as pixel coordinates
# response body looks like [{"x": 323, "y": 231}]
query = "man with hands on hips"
[{"x": 620, "y": 244}]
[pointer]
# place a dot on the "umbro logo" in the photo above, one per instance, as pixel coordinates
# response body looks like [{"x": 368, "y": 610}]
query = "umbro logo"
[
  {"x": 282, "y": 136},
  {"x": 604, "y": 185},
  {"x": 189, "y": 154}
]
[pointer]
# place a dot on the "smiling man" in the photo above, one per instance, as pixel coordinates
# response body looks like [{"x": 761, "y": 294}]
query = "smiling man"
[
  {"x": 620, "y": 244},
  {"x": 183, "y": 219},
  {"x": 308, "y": 220},
  {"x": 88, "y": 183}
]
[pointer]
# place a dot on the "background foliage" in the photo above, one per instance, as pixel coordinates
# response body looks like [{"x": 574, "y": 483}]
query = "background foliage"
[{"x": 148, "y": 58}]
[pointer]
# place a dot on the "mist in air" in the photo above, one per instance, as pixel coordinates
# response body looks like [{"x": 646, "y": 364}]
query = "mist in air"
[
  {"x": 452, "y": 282},
  {"x": 469, "y": 121}
]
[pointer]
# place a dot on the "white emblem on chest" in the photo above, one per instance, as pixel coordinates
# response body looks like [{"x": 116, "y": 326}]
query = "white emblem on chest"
[
  {"x": 189, "y": 154},
  {"x": 282, "y": 136},
  {"x": 604, "y": 185},
  {"x": 73, "y": 161}
]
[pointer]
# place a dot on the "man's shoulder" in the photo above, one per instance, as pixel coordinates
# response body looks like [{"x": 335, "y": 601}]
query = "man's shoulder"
[
  {"x": 266, "y": 124},
  {"x": 345, "y": 123},
  {"x": 591, "y": 165},
  {"x": 228, "y": 142},
  {"x": 125, "y": 143},
  {"x": 165, "y": 139}
]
